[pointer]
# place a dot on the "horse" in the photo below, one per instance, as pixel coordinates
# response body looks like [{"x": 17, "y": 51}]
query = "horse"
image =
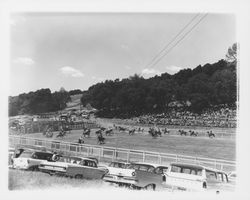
[
  {"x": 120, "y": 128},
  {"x": 192, "y": 133},
  {"x": 131, "y": 132},
  {"x": 211, "y": 134},
  {"x": 100, "y": 139},
  {"x": 165, "y": 131},
  {"x": 48, "y": 132},
  {"x": 182, "y": 132},
  {"x": 86, "y": 132},
  {"x": 80, "y": 140},
  {"x": 62, "y": 133},
  {"x": 140, "y": 129},
  {"x": 152, "y": 132},
  {"x": 99, "y": 131},
  {"x": 109, "y": 132}
]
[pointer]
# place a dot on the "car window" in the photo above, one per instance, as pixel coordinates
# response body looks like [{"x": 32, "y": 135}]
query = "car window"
[
  {"x": 25, "y": 155},
  {"x": 112, "y": 164},
  {"x": 176, "y": 169},
  {"x": 186, "y": 170},
  {"x": 143, "y": 168},
  {"x": 121, "y": 165},
  {"x": 134, "y": 167},
  {"x": 158, "y": 170},
  {"x": 199, "y": 172},
  {"x": 211, "y": 175},
  {"x": 151, "y": 169},
  {"x": 222, "y": 177}
]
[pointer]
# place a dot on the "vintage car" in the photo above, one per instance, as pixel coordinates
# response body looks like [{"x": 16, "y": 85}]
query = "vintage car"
[
  {"x": 118, "y": 172},
  {"x": 29, "y": 159},
  {"x": 139, "y": 175},
  {"x": 193, "y": 177},
  {"x": 75, "y": 167}
]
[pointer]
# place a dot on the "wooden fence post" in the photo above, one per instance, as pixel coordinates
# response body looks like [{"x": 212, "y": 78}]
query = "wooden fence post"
[
  {"x": 128, "y": 156},
  {"x": 143, "y": 156},
  {"x": 100, "y": 154},
  {"x": 159, "y": 159}
]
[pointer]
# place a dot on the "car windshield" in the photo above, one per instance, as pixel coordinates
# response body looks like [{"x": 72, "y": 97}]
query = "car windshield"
[
  {"x": 25, "y": 154},
  {"x": 117, "y": 165},
  {"x": 42, "y": 156},
  {"x": 161, "y": 170},
  {"x": 88, "y": 163}
]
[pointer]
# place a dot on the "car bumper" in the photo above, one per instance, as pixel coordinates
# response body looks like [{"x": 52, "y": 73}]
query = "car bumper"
[{"x": 119, "y": 180}]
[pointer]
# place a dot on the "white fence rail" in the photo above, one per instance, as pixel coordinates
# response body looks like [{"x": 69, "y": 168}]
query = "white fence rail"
[{"x": 104, "y": 153}]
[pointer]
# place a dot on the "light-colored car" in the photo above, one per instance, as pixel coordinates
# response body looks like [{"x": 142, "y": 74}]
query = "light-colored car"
[
  {"x": 76, "y": 167},
  {"x": 118, "y": 172},
  {"x": 138, "y": 176},
  {"x": 193, "y": 177},
  {"x": 30, "y": 159}
]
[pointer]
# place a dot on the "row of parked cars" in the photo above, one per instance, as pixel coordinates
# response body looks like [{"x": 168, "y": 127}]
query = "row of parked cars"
[{"x": 137, "y": 175}]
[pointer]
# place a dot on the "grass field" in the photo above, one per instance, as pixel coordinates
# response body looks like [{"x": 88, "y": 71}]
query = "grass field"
[
  {"x": 19, "y": 180},
  {"x": 34, "y": 181},
  {"x": 217, "y": 148}
]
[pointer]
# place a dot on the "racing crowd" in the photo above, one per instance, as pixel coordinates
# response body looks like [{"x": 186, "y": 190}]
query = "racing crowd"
[{"x": 223, "y": 117}]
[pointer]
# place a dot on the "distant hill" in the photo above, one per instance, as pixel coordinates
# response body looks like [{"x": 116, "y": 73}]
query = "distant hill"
[{"x": 204, "y": 87}]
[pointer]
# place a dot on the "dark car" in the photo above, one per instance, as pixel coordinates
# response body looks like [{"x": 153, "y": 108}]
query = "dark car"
[{"x": 76, "y": 167}]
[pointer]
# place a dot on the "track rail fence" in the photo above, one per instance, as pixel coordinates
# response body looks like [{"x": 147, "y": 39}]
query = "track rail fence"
[{"x": 107, "y": 154}]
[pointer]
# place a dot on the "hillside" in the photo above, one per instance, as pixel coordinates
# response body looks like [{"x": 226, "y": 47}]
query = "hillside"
[{"x": 204, "y": 86}]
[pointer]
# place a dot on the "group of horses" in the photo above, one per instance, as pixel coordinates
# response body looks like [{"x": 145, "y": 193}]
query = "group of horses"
[
  {"x": 157, "y": 132},
  {"x": 190, "y": 133},
  {"x": 63, "y": 130},
  {"x": 210, "y": 134},
  {"x": 99, "y": 133}
]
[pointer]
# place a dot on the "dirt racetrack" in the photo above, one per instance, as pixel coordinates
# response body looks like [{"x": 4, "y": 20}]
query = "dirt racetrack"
[{"x": 217, "y": 148}]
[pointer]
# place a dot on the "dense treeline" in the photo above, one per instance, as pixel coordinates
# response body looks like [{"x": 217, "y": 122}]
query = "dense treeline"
[
  {"x": 39, "y": 101},
  {"x": 75, "y": 92},
  {"x": 203, "y": 87}
]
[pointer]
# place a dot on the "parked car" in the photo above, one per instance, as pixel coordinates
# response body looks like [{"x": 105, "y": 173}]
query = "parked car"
[
  {"x": 195, "y": 177},
  {"x": 118, "y": 172},
  {"x": 140, "y": 176},
  {"x": 76, "y": 167},
  {"x": 29, "y": 159}
]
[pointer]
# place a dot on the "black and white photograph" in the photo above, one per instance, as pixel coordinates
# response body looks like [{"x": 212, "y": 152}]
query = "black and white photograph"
[{"x": 144, "y": 102}]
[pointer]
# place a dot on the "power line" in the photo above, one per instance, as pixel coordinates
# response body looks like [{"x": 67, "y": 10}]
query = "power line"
[
  {"x": 166, "y": 46},
  {"x": 196, "y": 24}
]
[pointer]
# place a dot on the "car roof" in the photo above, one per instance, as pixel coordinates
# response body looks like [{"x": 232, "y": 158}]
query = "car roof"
[
  {"x": 122, "y": 162},
  {"x": 188, "y": 165},
  {"x": 79, "y": 158},
  {"x": 144, "y": 163}
]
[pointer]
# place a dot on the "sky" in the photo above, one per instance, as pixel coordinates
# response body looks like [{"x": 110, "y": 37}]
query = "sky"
[{"x": 77, "y": 50}]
